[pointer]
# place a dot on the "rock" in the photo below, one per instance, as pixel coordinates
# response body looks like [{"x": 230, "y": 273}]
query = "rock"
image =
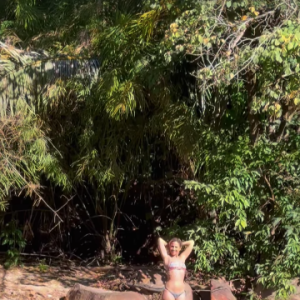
[
  {"x": 148, "y": 282},
  {"x": 81, "y": 292},
  {"x": 220, "y": 290}
]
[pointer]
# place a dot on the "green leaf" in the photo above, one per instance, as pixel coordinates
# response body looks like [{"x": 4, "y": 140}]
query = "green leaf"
[
  {"x": 290, "y": 46},
  {"x": 278, "y": 57},
  {"x": 244, "y": 223}
]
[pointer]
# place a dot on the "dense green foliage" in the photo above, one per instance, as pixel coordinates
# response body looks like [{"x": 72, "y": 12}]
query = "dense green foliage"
[{"x": 204, "y": 94}]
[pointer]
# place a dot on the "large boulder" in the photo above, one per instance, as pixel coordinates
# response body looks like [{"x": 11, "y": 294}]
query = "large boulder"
[
  {"x": 81, "y": 292},
  {"x": 220, "y": 290}
]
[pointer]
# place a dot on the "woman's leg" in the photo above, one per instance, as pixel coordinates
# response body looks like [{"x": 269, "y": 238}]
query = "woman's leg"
[
  {"x": 188, "y": 292},
  {"x": 182, "y": 297}
]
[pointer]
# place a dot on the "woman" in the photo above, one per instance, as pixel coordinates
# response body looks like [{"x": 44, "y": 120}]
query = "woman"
[{"x": 175, "y": 265}]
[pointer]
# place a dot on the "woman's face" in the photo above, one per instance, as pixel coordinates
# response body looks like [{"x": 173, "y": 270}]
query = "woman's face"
[{"x": 174, "y": 248}]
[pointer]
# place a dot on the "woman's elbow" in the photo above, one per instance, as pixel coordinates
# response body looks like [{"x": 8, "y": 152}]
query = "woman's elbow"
[{"x": 160, "y": 241}]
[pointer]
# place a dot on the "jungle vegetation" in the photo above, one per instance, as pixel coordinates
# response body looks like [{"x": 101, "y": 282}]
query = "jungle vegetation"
[{"x": 124, "y": 119}]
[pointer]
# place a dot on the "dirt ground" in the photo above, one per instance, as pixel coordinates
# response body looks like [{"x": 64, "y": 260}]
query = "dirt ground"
[
  {"x": 30, "y": 282},
  {"x": 37, "y": 281}
]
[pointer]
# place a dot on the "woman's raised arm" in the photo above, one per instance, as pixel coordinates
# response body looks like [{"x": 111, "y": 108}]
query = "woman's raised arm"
[
  {"x": 189, "y": 248},
  {"x": 162, "y": 248}
]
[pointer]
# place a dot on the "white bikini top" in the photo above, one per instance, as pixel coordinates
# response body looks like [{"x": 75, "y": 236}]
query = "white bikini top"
[{"x": 176, "y": 265}]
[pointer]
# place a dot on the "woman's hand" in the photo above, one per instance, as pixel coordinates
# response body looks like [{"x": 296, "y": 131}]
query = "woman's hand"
[
  {"x": 162, "y": 241},
  {"x": 187, "y": 243},
  {"x": 189, "y": 248}
]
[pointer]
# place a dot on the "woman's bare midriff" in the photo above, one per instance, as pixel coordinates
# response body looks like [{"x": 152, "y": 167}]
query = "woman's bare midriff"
[{"x": 175, "y": 281}]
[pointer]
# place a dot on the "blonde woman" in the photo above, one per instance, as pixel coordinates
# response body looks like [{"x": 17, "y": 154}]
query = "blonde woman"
[{"x": 175, "y": 265}]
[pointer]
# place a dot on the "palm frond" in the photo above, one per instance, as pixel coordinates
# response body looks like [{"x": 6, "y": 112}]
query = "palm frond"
[{"x": 24, "y": 155}]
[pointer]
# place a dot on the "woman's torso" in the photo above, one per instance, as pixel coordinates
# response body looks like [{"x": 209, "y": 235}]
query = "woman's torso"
[{"x": 176, "y": 272}]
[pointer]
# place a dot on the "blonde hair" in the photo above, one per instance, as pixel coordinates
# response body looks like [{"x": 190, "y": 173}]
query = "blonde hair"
[{"x": 177, "y": 240}]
